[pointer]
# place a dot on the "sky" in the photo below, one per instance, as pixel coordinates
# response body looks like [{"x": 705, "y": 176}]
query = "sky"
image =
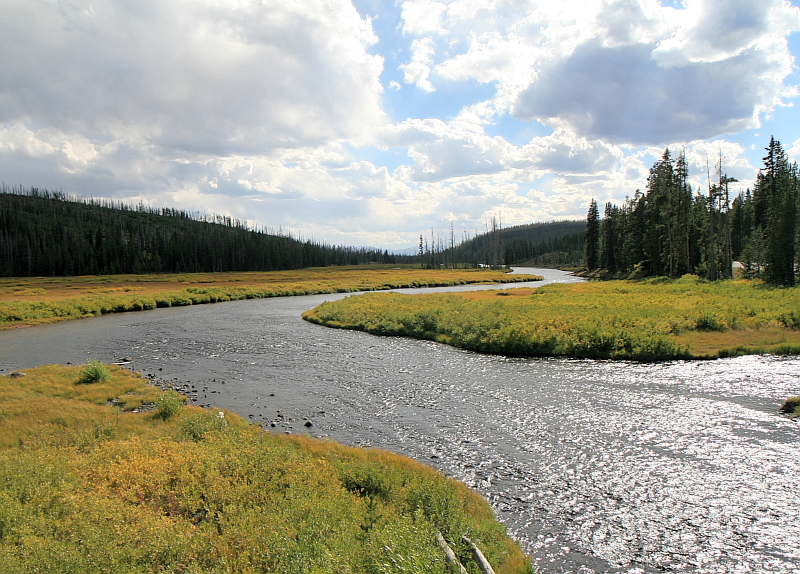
[{"x": 370, "y": 122}]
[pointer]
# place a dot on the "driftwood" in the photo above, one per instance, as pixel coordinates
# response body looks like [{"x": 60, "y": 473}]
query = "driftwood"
[
  {"x": 450, "y": 555},
  {"x": 479, "y": 558}
]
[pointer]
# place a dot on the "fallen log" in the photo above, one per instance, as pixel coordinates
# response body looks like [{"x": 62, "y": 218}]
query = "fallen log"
[
  {"x": 479, "y": 558},
  {"x": 450, "y": 555}
]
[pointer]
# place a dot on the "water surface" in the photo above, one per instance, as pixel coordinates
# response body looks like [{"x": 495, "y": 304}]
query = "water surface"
[{"x": 594, "y": 466}]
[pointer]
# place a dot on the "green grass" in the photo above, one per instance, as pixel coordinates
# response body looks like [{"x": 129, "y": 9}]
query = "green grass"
[
  {"x": 88, "y": 485},
  {"x": 37, "y": 300},
  {"x": 93, "y": 372},
  {"x": 638, "y": 320}
]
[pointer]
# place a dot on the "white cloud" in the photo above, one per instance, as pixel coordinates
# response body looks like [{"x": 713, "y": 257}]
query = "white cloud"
[
  {"x": 213, "y": 76},
  {"x": 714, "y": 30},
  {"x": 625, "y": 22},
  {"x": 625, "y": 71},
  {"x": 565, "y": 152},
  {"x": 793, "y": 151},
  {"x": 442, "y": 150},
  {"x": 492, "y": 57},
  {"x": 418, "y": 69},
  {"x": 622, "y": 95},
  {"x": 422, "y": 16}
]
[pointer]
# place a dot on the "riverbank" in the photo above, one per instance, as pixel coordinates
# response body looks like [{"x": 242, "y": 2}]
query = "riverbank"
[
  {"x": 31, "y": 301},
  {"x": 649, "y": 320},
  {"x": 117, "y": 475}
]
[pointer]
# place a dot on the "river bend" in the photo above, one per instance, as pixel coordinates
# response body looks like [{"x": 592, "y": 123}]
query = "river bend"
[{"x": 594, "y": 466}]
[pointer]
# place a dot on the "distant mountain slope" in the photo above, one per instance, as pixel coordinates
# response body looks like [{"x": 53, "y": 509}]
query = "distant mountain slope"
[
  {"x": 45, "y": 233},
  {"x": 545, "y": 244}
]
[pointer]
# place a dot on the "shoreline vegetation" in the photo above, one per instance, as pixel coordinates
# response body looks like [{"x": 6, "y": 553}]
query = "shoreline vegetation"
[
  {"x": 100, "y": 472},
  {"x": 28, "y": 301},
  {"x": 654, "y": 319}
]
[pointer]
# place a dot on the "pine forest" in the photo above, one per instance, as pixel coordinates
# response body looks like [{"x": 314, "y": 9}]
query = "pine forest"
[
  {"x": 46, "y": 233},
  {"x": 670, "y": 231}
]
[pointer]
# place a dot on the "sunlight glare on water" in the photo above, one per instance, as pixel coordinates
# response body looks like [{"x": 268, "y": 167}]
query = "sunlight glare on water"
[{"x": 594, "y": 466}]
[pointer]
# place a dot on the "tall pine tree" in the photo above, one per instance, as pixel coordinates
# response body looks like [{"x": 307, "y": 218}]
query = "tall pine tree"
[{"x": 593, "y": 236}]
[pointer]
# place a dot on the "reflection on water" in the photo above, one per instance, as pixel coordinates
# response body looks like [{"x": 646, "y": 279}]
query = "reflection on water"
[{"x": 594, "y": 466}]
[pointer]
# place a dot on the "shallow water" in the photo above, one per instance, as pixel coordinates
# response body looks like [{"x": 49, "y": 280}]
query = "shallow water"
[{"x": 594, "y": 466}]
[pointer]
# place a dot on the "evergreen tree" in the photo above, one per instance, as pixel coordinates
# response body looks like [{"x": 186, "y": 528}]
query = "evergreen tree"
[
  {"x": 592, "y": 236},
  {"x": 633, "y": 224},
  {"x": 667, "y": 231},
  {"x": 682, "y": 262},
  {"x": 775, "y": 214},
  {"x": 610, "y": 244},
  {"x": 659, "y": 239}
]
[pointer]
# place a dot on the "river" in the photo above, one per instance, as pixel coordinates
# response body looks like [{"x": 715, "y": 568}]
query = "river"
[{"x": 593, "y": 466}]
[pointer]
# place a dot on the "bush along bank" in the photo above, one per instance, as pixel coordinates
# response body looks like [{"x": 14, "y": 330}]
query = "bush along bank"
[{"x": 116, "y": 475}]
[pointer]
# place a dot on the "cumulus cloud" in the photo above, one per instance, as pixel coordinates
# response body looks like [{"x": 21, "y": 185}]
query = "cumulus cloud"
[
  {"x": 623, "y": 96},
  {"x": 706, "y": 77},
  {"x": 720, "y": 29},
  {"x": 418, "y": 69},
  {"x": 624, "y": 71},
  {"x": 213, "y": 76},
  {"x": 441, "y": 151},
  {"x": 492, "y": 57},
  {"x": 567, "y": 153},
  {"x": 422, "y": 17}
]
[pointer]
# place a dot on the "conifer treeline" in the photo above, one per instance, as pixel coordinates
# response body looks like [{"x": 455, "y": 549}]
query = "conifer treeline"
[
  {"x": 46, "y": 233},
  {"x": 668, "y": 231},
  {"x": 546, "y": 244}
]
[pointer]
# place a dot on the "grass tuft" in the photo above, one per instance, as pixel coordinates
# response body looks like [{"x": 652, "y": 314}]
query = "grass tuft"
[
  {"x": 169, "y": 404},
  {"x": 93, "y": 372}
]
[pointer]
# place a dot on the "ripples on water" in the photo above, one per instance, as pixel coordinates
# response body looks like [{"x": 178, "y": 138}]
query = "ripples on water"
[
  {"x": 648, "y": 468},
  {"x": 594, "y": 466}
]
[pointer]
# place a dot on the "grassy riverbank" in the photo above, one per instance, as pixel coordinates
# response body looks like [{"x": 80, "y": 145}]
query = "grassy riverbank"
[
  {"x": 36, "y": 300},
  {"x": 117, "y": 476},
  {"x": 654, "y": 319}
]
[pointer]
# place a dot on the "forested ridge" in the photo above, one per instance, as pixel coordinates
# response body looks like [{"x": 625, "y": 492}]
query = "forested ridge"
[
  {"x": 544, "y": 244},
  {"x": 47, "y": 233},
  {"x": 553, "y": 242},
  {"x": 669, "y": 231}
]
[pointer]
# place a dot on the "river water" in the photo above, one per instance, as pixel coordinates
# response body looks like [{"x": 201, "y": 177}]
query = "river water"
[{"x": 594, "y": 466}]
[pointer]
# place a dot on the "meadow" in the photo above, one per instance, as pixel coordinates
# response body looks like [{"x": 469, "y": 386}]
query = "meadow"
[
  {"x": 36, "y": 300},
  {"x": 647, "y": 320},
  {"x": 100, "y": 472}
]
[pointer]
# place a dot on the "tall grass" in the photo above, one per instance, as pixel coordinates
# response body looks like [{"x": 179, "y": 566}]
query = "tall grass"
[
  {"x": 643, "y": 320},
  {"x": 93, "y": 486},
  {"x": 32, "y": 301}
]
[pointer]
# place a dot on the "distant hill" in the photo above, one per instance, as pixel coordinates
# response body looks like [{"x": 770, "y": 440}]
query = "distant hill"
[
  {"x": 550, "y": 244},
  {"x": 46, "y": 233}
]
